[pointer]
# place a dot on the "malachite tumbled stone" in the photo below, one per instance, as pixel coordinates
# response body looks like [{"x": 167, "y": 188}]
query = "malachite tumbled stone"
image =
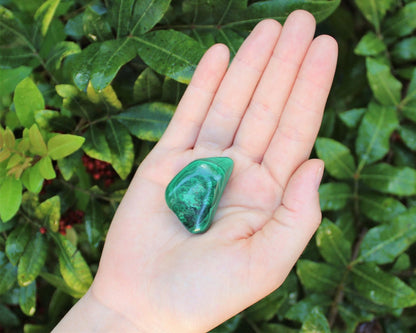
[{"x": 194, "y": 193}]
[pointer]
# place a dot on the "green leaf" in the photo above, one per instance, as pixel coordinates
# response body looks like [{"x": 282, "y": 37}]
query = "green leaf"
[
  {"x": 147, "y": 121},
  {"x": 382, "y": 288},
  {"x": 315, "y": 322},
  {"x": 95, "y": 24},
  {"x": 45, "y": 14},
  {"x": 370, "y": 45},
  {"x": 147, "y": 86},
  {"x": 383, "y": 244},
  {"x": 27, "y": 99},
  {"x": 266, "y": 309},
  {"x": 60, "y": 284},
  {"x": 352, "y": 117},
  {"x": 96, "y": 145},
  {"x": 49, "y": 211},
  {"x": 16, "y": 242},
  {"x": 7, "y": 317},
  {"x": 11, "y": 197},
  {"x": 59, "y": 52},
  {"x": 7, "y": 277},
  {"x": 408, "y": 104},
  {"x": 145, "y": 15},
  {"x": 73, "y": 267},
  {"x": 170, "y": 53},
  {"x": 303, "y": 308},
  {"x": 405, "y": 50},
  {"x": 318, "y": 277},
  {"x": 334, "y": 196},
  {"x": 374, "y": 133},
  {"x": 374, "y": 10},
  {"x": 380, "y": 208},
  {"x": 121, "y": 146},
  {"x": 100, "y": 62},
  {"x": 94, "y": 222},
  {"x": 27, "y": 299},
  {"x": 386, "y": 88},
  {"x": 389, "y": 179},
  {"x": 402, "y": 23},
  {"x": 11, "y": 77},
  {"x": 32, "y": 260},
  {"x": 407, "y": 133},
  {"x": 69, "y": 165},
  {"x": 37, "y": 144},
  {"x": 332, "y": 244},
  {"x": 338, "y": 159},
  {"x": 46, "y": 168},
  {"x": 62, "y": 145}
]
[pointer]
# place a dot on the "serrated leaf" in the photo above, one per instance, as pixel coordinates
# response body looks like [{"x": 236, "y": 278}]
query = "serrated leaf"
[
  {"x": 27, "y": 99},
  {"x": 386, "y": 88},
  {"x": 318, "y": 277},
  {"x": 315, "y": 322},
  {"x": 27, "y": 299},
  {"x": 46, "y": 168},
  {"x": 374, "y": 133},
  {"x": 401, "y": 23},
  {"x": 385, "y": 178},
  {"x": 332, "y": 244},
  {"x": 96, "y": 145},
  {"x": 334, "y": 196},
  {"x": 45, "y": 14},
  {"x": 94, "y": 220},
  {"x": 11, "y": 197},
  {"x": 383, "y": 244},
  {"x": 338, "y": 158},
  {"x": 73, "y": 267},
  {"x": 62, "y": 145},
  {"x": 380, "y": 208},
  {"x": 121, "y": 147},
  {"x": 370, "y": 45},
  {"x": 147, "y": 121},
  {"x": 147, "y": 86},
  {"x": 49, "y": 211},
  {"x": 37, "y": 144},
  {"x": 32, "y": 260},
  {"x": 170, "y": 53},
  {"x": 16, "y": 242},
  {"x": 374, "y": 10},
  {"x": 382, "y": 288}
]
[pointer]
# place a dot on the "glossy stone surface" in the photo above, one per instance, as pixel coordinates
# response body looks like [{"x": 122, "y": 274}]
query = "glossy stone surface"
[{"x": 194, "y": 193}]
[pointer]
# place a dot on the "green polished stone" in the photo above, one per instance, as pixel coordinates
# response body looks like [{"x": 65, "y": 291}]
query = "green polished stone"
[{"x": 194, "y": 193}]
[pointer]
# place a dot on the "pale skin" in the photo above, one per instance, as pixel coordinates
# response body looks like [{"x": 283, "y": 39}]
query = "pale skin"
[{"x": 264, "y": 111}]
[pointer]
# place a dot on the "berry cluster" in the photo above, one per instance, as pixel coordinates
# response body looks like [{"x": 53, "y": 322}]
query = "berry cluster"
[
  {"x": 70, "y": 218},
  {"x": 99, "y": 170}
]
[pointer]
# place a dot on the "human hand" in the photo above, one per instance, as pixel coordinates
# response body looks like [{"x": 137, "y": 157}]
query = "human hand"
[{"x": 264, "y": 112}]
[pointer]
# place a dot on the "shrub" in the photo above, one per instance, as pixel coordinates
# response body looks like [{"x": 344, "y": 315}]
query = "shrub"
[{"x": 87, "y": 88}]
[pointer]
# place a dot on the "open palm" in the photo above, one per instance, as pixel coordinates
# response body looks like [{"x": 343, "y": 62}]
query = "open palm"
[{"x": 264, "y": 112}]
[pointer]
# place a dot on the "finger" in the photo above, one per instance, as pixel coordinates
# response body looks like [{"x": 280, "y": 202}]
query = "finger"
[
  {"x": 193, "y": 107},
  {"x": 278, "y": 245},
  {"x": 237, "y": 86},
  {"x": 299, "y": 124},
  {"x": 263, "y": 114}
]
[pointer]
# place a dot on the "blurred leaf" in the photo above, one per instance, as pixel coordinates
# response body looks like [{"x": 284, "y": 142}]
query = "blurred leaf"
[
  {"x": 408, "y": 104},
  {"x": 405, "y": 50},
  {"x": 402, "y": 23},
  {"x": 352, "y": 117},
  {"x": 59, "y": 52},
  {"x": 370, "y": 45},
  {"x": 170, "y": 53},
  {"x": 7, "y": 317},
  {"x": 94, "y": 221},
  {"x": 338, "y": 159},
  {"x": 7, "y": 276},
  {"x": 106, "y": 96},
  {"x": 374, "y": 133},
  {"x": 386, "y": 88},
  {"x": 16, "y": 242},
  {"x": 46, "y": 168},
  {"x": 374, "y": 11},
  {"x": 380, "y": 208},
  {"x": 385, "y": 178},
  {"x": 402, "y": 263},
  {"x": 49, "y": 212},
  {"x": 32, "y": 260},
  {"x": 332, "y": 244},
  {"x": 303, "y": 308},
  {"x": 11, "y": 197},
  {"x": 45, "y": 14},
  {"x": 60, "y": 284},
  {"x": 147, "y": 86},
  {"x": 27, "y": 99},
  {"x": 73, "y": 267},
  {"x": 334, "y": 196},
  {"x": 407, "y": 133},
  {"x": 95, "y": 24},
  {"x": 70, "y": 164},
  {"x": 121, "y": 147},
  {"x": 27, "y": 299},
  {"x": 96, "y": 145},
  {"x": 382, "y": 288},
  {"x": 315, "y": 322},
  {"x": 62, "y": 145},
  {"x": 267, "y": 308},
  {"x": 318, "y": 277},
  {"x": 228, "y": 326},
  {"x": 384, "y": 243},
  {"x": 147, "y": 121}
]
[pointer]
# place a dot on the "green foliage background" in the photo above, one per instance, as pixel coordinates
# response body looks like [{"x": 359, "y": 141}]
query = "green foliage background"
[{"x": 87, "y": 88}]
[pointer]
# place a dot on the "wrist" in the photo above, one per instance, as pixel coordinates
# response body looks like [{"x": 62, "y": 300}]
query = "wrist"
[{"x": 90, "y": 315}]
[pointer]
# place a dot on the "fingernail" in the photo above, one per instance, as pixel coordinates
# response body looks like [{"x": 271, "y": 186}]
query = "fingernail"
[{"x": 318, "y": 176}]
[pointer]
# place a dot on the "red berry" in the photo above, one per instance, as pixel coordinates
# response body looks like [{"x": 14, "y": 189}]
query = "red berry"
[{"x": 42, "y": 230}]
